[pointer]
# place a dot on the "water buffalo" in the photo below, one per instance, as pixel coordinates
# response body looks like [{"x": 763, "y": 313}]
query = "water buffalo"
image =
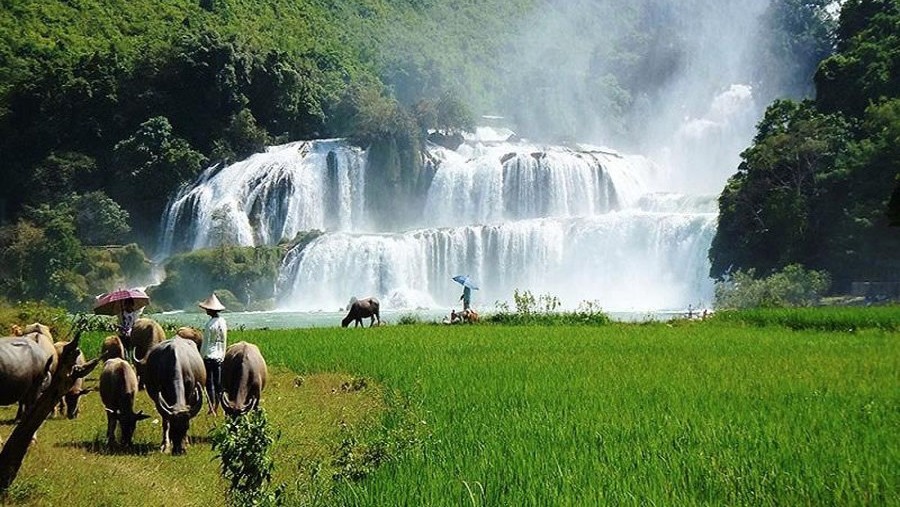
[
  {"x": 145, "y": 334},
  {"x": 69, "y": 402},
  {"x": 175, "y": 377},
  {"x": 24, "y": 372},
  {"x": 244, "y": 375},
  {"x": 362, "y": 309},
  {"x": 112, "y": 348},
  {"x": 41, "y": 335},
  {"x": 191, "y": 333},
  {"x": 118, "y": 384}
]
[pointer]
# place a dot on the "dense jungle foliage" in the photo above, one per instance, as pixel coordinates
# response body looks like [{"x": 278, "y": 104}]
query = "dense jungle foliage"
[
  {"x": 108, "y": 107},
  {"x": 820, "y": 186}
]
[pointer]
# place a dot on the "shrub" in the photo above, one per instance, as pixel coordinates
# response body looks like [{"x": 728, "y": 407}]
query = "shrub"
[
  {"x": 792, "y": 286},
  {"x": 545, "y": 310},
  {"x": 243, "y": 444}
]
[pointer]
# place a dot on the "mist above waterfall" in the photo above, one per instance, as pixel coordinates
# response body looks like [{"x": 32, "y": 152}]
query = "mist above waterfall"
[{"x": 670, "y": 79}]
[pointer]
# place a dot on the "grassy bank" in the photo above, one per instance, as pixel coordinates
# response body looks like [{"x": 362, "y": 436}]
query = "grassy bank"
[{"x": 702, "y": 413}]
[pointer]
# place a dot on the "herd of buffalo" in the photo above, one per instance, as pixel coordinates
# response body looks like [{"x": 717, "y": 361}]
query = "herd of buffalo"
[{"x": 171, "y": 371}]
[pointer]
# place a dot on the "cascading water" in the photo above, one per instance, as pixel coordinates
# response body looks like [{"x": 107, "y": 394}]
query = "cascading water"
[
  {"x": 269, "y": 198},
  {"x": 577, "y": 223},
  {"x": 582, "y": 223}
]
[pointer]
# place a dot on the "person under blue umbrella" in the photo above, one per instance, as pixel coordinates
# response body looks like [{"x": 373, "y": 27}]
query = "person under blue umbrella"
[
  {"x": 468, "y": 285},
  {"x": 466, "y": 297}
]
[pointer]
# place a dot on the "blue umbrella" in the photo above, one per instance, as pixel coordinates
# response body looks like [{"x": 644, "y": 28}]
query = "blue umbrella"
[{"x": 465, "y": 281}]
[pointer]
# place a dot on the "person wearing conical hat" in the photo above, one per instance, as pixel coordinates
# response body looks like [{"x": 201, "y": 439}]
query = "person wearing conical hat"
[{"x": 215, "y": 339}]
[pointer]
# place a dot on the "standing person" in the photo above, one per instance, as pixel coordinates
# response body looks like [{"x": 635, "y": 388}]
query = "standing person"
[
  {"x": 215, "y": 339},
  {"x": 127, "y": 316},
  {"x": 466, "y": 297}
]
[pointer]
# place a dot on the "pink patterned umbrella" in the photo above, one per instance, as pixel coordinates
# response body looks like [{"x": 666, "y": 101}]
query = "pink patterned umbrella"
[{"x": 111, "y": 302}]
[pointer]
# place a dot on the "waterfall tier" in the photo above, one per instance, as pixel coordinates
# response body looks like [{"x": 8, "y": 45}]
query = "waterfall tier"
[
  {"x": 630, "y": 260},
  {"x": 270, "y": 197}
]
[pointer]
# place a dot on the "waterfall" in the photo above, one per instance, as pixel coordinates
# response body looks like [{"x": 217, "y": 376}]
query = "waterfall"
[
  {"x": 580, "y": 222},
  {"x": 269, "y": 198}
]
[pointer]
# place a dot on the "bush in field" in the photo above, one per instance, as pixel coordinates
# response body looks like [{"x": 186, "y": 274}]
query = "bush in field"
[
  {"x": 792, "y": 286},
  {"x": 408, "y": 319},
  {"x": 545, "y": 309},
  {"x": 243, "y": 444}
]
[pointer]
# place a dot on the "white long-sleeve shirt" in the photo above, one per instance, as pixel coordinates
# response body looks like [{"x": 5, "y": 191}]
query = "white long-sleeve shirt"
[{"x": 215, "y": 338}]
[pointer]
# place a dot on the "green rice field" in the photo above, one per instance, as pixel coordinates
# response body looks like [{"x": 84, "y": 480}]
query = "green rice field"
[{"x": 688, "y": 413}]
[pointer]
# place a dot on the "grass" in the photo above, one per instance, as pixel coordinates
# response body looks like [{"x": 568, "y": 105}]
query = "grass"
[
  {"x": 71, "y": 465},
  {"x": 829, "y": 318},
  {"x": 699, "y": 413}
]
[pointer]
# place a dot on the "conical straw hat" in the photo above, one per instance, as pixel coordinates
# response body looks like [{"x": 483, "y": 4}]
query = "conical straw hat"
[{"x": 212, "y": 303}]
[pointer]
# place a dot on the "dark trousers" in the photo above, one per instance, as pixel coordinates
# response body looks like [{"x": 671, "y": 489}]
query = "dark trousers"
[{"x": 213, "y": 380}]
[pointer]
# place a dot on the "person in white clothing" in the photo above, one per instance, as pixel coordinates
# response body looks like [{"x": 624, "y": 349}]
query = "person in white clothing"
[{"x": 215, "y": 339}]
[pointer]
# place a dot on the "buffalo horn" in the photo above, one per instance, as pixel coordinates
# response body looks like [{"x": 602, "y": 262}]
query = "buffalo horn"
[
  {"x": 196, "y": 400},
  {"x": 161, "y": 402}
]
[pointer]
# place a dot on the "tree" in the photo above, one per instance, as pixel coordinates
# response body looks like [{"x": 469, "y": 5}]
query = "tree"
[
  {"x": 792, "y": 286},
  {"x": 453, "y": 115},
  {"x": 98, "y": 219},
  {"x": 769, "y": 212},
  {"x": 151, "y": 164},
  {"x": 795, "y": 36},
  {"x": 865, "y": 68},
  {"x": 242, "y": 138},
  {"x": 58, "y": 175}
]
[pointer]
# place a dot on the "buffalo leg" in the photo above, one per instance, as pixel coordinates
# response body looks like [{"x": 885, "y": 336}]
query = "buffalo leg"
[
  {"x": 165, "y": 434},
  {"x": 110, "y": 429}
]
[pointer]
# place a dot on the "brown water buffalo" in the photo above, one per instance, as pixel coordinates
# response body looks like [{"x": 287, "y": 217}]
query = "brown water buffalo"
[
  {"x": 244, "y": 376},
  {"x": 145, "y": 334},
  {"x": 112, "y": 348},
  {"x": 191, "y": 333},
  {"x": 41, "y": 335},
  {"x": 69, "y": 402},
  {"x": 175, "y": 377},
  {"x": 118, "y": 385},
  {"x": 362, "y": 309},
  {"x": 24, "y": 372}
]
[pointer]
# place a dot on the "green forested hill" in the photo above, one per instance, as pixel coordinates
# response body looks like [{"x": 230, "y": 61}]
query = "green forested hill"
[{"x": 820, "y": 185}]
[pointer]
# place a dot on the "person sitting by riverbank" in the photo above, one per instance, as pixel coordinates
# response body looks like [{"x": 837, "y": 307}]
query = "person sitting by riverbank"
[{"x": 453, "y": 319}]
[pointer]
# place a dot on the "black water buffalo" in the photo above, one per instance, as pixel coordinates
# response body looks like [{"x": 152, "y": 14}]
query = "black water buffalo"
[
  {"x": 175, "y": 377},
  {"x": 145, "y": 334},
  {"x": 118, "y": 384},
  {"x": 69, "y": 402},
  {"x": 362, "y": 309},
  {"x": 244, "y": 376},
  {"x": 24, "y": 372}
]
